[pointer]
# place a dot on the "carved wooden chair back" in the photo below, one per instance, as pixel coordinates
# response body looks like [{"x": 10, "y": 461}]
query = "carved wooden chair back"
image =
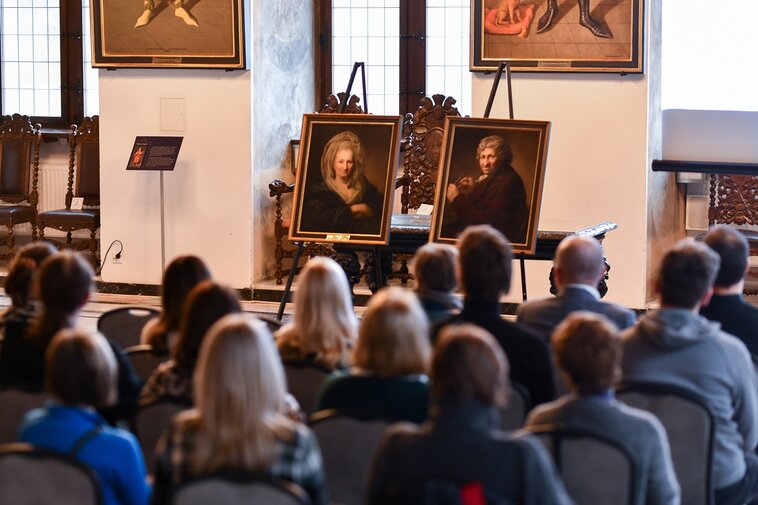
[
  {"x": 19, "y": 174},
  {"x": 733, "y": 201},
  {"x": 423, "y": 149},
  {"x": 19, "y": 159},
  {"x": 84, "y": 162}
]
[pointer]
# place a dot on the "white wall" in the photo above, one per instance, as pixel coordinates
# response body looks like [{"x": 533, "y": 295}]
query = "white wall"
[{"x": 207, "y": 197}]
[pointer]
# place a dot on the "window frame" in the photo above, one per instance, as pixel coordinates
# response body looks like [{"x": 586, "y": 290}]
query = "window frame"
[
  {"x": 72, "y": 69},
  {"x": 412, "y": 57}
]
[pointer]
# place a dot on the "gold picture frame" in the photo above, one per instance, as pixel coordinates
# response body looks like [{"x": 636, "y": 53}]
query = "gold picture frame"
[
  {"x": 558, "y": 36},
  {"x": 168, "y": 34},
  {"x": 345, "y": 178},
  {"x": 504, "y": 190}
]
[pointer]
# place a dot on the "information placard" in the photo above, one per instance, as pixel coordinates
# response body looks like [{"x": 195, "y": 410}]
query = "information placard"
[{"x": 154, "y": 153}]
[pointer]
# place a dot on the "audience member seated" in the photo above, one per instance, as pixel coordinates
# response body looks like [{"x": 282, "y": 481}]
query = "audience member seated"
[
  {"x": 389, "y": 364},
  {"x": 81, "y": 373},
  {"x": 434, "y": 269},
  {"x": 324, "y": 326},
  {"x": 727, "y": 305},
  {"x": 19, "y": 282},
  {"x": 181, "y": 275},
  {"x": 64, "y": 285},
  {"x": 460, "y": 451},
  {"x": 485, "y": 272},
  {"x": 238, "y": 425},
  {"x": 587, "y": 350},
  {"x": 206, "y": 303},
  {"x": 675, "y": 345},
  {"x": 579, "y": 267}
]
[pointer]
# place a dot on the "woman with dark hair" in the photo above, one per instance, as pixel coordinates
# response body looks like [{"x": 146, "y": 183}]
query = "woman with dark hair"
[
  {"x": 460, "y": 450},
  {"x": 207, "y": 303},
  {"x": 238, "y": 426},
  {"x": 343, "y": 200},
  {"x": 181, "y": 275},
  {"x": 18, "y": 284},
  {"x": 81, "y": 373},
  {"x": 64, "y": 283}
]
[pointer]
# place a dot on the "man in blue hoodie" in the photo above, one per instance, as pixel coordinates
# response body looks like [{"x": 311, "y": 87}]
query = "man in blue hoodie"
[{"x": 675, "y": 345}]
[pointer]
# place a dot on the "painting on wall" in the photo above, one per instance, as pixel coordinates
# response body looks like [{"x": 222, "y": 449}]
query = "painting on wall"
[
  {"x": 491, "y": 172},
  {"x": 557, "y": 35},
  {"x": 168, "y": 33},
  {"x": 345, "y": 178}
]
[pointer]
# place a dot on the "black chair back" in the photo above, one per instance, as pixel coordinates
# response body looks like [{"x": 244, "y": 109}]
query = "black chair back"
[
  {"x": 14, "y": 403},
  {"x": 143, "y": 360},
  {"x": 124, "y": 324},
  {"x": 149, "y": 423},
  {"x": 31, "y": 476},
  {"x": 690, "y": 428},
  {"x": 595, "y": 470},
  {"x": 304, "y": 381},
  {"x": 512, "y": 417},
  {"x": 234, "y": 491},
  {"x": 348, "y": 441}
]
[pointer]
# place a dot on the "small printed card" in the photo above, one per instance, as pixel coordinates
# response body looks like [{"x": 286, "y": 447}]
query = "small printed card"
[
  {"x": 424, "y": 209},
  {"x": 77, "y": 203}
]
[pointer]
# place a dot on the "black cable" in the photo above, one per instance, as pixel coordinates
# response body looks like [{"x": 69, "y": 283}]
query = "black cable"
[{"x": 105, "y": 256}]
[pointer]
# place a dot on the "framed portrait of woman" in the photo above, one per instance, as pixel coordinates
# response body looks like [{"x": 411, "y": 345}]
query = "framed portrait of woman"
[
  {"x": 491, "y": 172},
  {"x": 345, "y": 178}
]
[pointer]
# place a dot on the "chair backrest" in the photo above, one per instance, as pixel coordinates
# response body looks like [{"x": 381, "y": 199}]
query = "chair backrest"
[
  {"x": 19, "y": 159},
  {"x": 227, "y": 491},
  {"x": 14, "y": 403},
  {"x": 512, "y": 417},
  {"x": 124, "y": 324},
  {"x": 690, "y": 428},
  {"x": 594, "y": 469},
  {"x": 30, "y": 476},
  {"x": 423, "y": 149},
  {"x": 348, "y": 442},
  {"x": 84, "y": 161},
  {"x": 304, "y": 382},
  {"x": 150, "y": 421},
  {"x": 143, "y": 360}
]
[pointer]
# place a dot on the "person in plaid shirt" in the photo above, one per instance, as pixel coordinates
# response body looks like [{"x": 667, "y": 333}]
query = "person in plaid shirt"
[{"x": 238, "y": 426}]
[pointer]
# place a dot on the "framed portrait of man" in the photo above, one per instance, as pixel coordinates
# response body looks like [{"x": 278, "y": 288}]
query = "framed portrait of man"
[
  {"x": 345, "y": 178},
  {"x": 491, "y": 172}
]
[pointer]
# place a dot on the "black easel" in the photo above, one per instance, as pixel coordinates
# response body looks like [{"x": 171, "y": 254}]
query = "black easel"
[
  {"x": 301, "y": 245},
  {"x": 507, "y": 67}
]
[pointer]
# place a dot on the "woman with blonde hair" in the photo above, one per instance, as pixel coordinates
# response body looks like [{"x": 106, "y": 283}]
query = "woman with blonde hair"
[
  {"x": 238, "y": 425},
  {"x": 344, "y": 200},
  {"x": 324, "y": 326},
  {"x": 390, "y": 362}
]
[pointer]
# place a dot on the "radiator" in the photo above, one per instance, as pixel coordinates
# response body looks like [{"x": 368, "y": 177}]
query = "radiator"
[{"x": 53, "y": 179}]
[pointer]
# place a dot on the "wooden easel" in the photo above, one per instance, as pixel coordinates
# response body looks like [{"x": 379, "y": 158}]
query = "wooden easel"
[
  {"x": 301, "y": 245},
  {"x": 507, "y": 67}
]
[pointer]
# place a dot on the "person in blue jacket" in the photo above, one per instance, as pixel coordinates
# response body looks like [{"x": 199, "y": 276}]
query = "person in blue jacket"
[{"x": 80, "y": 371}]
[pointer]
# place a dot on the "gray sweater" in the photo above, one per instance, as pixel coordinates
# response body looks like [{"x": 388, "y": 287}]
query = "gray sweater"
[
  {"x": 639, "y": 432},
  {"x": 676, "y": 346}
]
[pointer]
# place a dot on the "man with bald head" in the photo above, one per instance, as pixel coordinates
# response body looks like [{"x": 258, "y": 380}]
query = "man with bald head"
[{"x": 579, "y": 267}]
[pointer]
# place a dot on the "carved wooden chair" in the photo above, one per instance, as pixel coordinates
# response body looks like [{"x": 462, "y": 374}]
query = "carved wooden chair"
[
  {"x": 278, "y": 189},
  {"x": 733, "y": 201},
  {"x": 423, "y": 145},
  {"x": 19, "y": 174},
  {"x": 83, "y": 182}
]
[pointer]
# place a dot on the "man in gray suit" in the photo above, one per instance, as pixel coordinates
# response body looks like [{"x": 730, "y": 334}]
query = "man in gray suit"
[{"x": 578, "y": 269}]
